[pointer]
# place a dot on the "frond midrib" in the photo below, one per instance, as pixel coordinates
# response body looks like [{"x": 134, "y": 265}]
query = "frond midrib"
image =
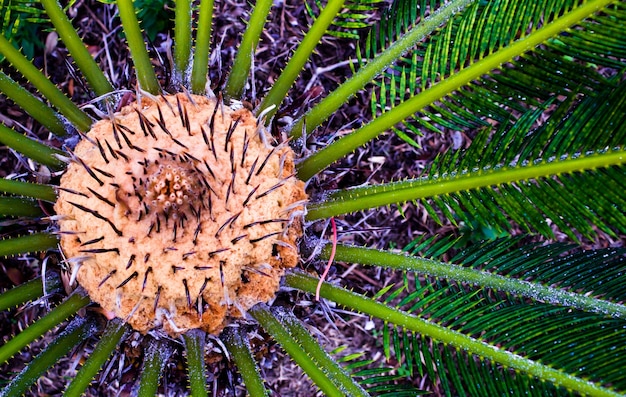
[{"x": 414, "y": 189}]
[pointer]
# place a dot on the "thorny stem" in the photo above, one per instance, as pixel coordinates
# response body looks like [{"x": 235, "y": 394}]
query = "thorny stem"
[
  {"x": 293, "y": 68},
  {"x": 76, "y": 332},
  {"x": 182, "y": 36},
  {"x": 30, "y": 243},
  {"x": 28, "y": 291},
  {"x": 32, "y": 105},
  {"x": 50, "y": 91},
  {"x": 352, "y": 200},
  {"x": 90, "y": 69},
  {"x": 238, "y": 346},
  {"x": 368, "y": 256},
  {"x": 34, "y": 150},
  {"x": 374, "y": 66},
  {"x": 241, "y": 66},
  {"x": 345, "y": 145},
  {"x": 19, "y": 207},
  {"x": 108, "y": 342},
  {"x": 201, "y": 53},
  {"x": 28, "y": 189},
  {"x": 440, "y": 333},
  {"x": 194, "y": 346},
  {"x": 310, "y": 357},
  {"x": 143, "y": 66},
  {"x": 154, "y": 361},
  {"x": 55, "y": 317}
]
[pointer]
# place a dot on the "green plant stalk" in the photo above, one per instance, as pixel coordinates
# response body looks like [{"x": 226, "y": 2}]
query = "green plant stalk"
[
  {"x": 194, "y": 346},
  {"x": 314, "y": 350},
  {"x": 28, "y": 291},
  {"x": 327, "y": 106},
  {"x": 75, "y": 333},
  {"x": 19, "y": 207},
  {"x": 239, "y": 349},
  {"x": 301, "y": 56},
  {"x": 39, "y": 152},
  {"x": 114, "y": 331},
  {"x": 345, "y": 145},
  {"x": 453, "y": 338},
  {"x": 143, "y": 66},
  {"x": 33, "y": 106},
  {"x": 90, "y": 69},
  {"x": 153, "y": 363},
  {"x": 27, "y": 189},
  {"x": 55, "y": 317},
  {"x": 353, "y": 200},
  {"x": 296, "y": 350},
  {"x": 182, "y": 36},
  {"x": 556, "y": 296},
  {"x": 200, "y": 67},
  {"x": 76, "y": 116},
  {"x": 30, "y": 243},
  {"x": 241, "y": 66}
]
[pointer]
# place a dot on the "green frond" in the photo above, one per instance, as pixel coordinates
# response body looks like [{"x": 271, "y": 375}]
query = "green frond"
[
  {"x": 182, "y": 37},
  {"x": 76, "y": 332},
  {"x": 28, "y": 189},
  {"x": 300, "y": 57},
  {"x": 30, "y": 243},
  {"x": 90, "y": 69},
  {"x": 201, "y": 54},
  {"x": 580, "y": 160},
  {"x": 377, "y": 380},
  {"x": 194, "y": 347},
  {"x": 241, "y": 66},
  {"x": 31, "y": 104},
  {"x": 21, "y": 21},
  {"x": 134, "y": 37},
  {"x": 37, "y": 151},
  {"x": 109, "y": 340},
  {"x": 54, "y": 318},
  {"x": 29, "y": 290},
  {"x": 357, "y": 15},
  {"x": 564, "y": 65},
  {"x": 489, "y": 58},
  {"x": 71, "y": 111},
  {"x": 156, "y": 355},
  {"x": 558, "y": 336},
  {"x": 19, "y": 207},
  {"x": 306, "y": 351},
  {"x": 535, "y": 340},
  {"x": 238, "y": 345}
]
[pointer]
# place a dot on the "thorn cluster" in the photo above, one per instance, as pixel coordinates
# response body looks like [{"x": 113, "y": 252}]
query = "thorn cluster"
[{"x": 177, "y": 214}]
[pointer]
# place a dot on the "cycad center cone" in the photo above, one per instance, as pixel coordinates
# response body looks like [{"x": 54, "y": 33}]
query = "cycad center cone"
[{"x": 179, "y": 214}]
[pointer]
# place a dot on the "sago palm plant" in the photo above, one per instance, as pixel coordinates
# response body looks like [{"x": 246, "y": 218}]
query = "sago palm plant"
[{"x": 182, "y": 207}]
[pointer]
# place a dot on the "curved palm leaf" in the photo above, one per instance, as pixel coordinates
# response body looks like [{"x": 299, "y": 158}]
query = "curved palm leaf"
[
  {"x": 357, "y": 15},
  {"x": 558, "y": 170},
  {"x": 562, "y": 66},
  {"x": 567, "y": 339}
]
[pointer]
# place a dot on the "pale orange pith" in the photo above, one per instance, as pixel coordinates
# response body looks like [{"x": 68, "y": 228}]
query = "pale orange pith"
[{"x": 180, "y": 213}]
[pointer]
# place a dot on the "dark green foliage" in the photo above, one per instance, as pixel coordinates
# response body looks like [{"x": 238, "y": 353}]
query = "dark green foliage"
[
  {"x": 23, "y": 23},
  {"x": 356, "y": 16},
  {"x": 584, "y": 344},
  {"x": 558, "y": 71},
  {"x": 155, "y": 16}
]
